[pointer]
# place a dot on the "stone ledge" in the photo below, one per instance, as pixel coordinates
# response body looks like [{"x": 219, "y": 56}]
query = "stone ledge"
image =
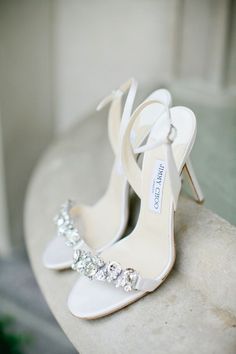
[{"x": 194, "y": 311}]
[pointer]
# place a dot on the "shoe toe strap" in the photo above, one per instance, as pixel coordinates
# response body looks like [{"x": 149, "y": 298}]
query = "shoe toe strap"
[
  {"x": 147, "y": 285},
  {"x": 96, "y": 269},
  {"x": 67, "y": 228}
]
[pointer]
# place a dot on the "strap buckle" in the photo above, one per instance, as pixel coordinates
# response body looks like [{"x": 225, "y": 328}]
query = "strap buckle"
[{"x": 172, "y": 134}]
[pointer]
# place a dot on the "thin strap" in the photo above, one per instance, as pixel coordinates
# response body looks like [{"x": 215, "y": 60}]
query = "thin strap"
[
  {"x": 164, "y": 136},
  {"x": 146, "y": 284},
  {"x": 117, "y": 121},
  {"x": 132, "y": 170}
]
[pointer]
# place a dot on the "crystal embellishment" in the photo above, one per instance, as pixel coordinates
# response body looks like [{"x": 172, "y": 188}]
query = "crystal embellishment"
[
  {"x": 113, "y": 271},
  {"x": 66, "y": 226},
  {"x": 129, "y": 279},
  {"x": 93, "y": 267}
]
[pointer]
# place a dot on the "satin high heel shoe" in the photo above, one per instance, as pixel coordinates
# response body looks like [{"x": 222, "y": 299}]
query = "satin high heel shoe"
[
  {"x": 140, "y": 262},
  {"x": 98, "y": 226}
]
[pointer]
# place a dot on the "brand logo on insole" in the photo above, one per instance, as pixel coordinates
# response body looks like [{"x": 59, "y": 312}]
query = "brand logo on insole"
[{"x": 156, "y": 188}]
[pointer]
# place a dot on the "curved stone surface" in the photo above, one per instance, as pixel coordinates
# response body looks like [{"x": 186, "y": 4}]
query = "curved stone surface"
[{"x": 194, "y": 311}]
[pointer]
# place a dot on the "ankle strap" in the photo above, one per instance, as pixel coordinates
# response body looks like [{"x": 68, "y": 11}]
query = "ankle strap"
[
  {"x": 161, "y": 132},
  {"x": 116, "y": 121}
]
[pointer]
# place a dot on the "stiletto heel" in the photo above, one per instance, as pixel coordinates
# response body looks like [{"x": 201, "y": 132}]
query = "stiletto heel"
[{"x": 192, "y": 179}]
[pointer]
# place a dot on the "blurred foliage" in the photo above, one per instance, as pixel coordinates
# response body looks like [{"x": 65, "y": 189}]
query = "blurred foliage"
[{"x": 11, "y": 342}]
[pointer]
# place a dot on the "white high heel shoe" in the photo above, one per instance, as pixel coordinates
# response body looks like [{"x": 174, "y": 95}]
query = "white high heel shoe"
[
  {"x": 78, "y": 226},
  {"x": 139, "y": 263}
]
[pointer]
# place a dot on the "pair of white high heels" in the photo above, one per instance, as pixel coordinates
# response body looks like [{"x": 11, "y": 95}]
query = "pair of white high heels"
[{"x": 113, "y": 272}]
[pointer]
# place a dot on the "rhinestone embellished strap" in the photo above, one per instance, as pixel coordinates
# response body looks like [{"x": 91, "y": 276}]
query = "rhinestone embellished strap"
[
  {"x": 95, "y": 268},
  {"x": 66, "y": 226}
]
